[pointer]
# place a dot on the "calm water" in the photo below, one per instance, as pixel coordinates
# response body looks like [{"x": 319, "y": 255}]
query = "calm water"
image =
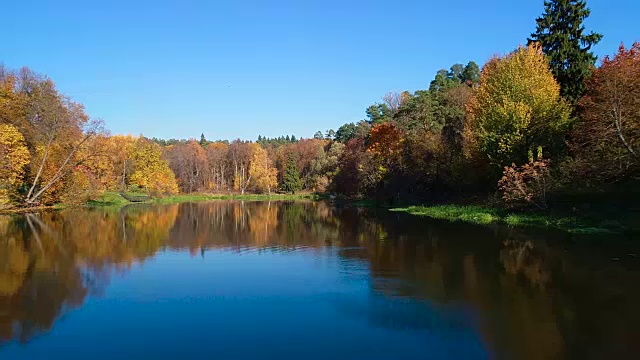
[{"x": 233, "y": 280}]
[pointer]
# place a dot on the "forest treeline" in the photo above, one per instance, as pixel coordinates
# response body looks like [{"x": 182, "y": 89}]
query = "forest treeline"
[{"x": 532, "y": 125}]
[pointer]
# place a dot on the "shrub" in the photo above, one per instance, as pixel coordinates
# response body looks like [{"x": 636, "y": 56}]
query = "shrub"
[{"x": 526, "y": 185}]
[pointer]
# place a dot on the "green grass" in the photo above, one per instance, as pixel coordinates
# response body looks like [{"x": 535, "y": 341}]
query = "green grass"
[
  {"x": 108, "y": 199},
  {"x": 470, "y": 214},
  {"x": 247, "y": 197},
  {"x": 113, "y": 199},
  {"x": 484, "y": 216}
]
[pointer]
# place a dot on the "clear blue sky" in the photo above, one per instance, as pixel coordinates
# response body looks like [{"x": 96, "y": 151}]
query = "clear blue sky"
[{"x": 242, "y": 68}]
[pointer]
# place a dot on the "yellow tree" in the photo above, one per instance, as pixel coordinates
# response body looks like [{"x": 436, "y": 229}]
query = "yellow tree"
[
  {"x": 12, "y": 103},
  {"x": 14, "y": 157},
  {"x": 517, "y": 107},
  {"x": 262, "y": 173},
  {"x": 151, "y": 172},
  {"x": 217, "y": 165}
]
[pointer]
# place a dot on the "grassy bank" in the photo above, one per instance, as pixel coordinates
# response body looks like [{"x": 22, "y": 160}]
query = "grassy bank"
[
  {"x": 114, "y": 199},
  {"x": 484, "y": 216}
]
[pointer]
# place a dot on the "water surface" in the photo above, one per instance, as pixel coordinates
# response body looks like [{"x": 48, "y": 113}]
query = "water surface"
[{"x": 247, "y": 280}]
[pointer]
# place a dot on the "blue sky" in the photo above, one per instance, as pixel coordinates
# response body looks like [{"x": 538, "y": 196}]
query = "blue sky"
[{"x": 242, "y": 68}]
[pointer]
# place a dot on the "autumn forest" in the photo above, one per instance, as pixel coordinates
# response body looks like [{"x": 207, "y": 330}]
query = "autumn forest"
[{"x": 538, "y": 127}]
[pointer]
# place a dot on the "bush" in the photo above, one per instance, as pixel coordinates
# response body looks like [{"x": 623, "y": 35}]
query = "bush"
[{"x": 526, "y": 185}]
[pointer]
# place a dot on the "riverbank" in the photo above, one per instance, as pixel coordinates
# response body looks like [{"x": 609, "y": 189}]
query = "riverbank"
[
  {"x": 485, "y": 216},
  {"x": 114, "y": 199}
]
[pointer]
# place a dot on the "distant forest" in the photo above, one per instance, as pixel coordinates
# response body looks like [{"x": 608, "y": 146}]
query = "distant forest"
[{"x": 531, "y": 128}]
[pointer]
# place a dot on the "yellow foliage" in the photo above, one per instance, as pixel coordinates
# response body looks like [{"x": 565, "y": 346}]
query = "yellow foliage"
[
  {"x": 517, "y": 106},
  {"x": 14, "y": 157},
  {"x": 261, "y": 171},
  {"x": 151, "y": 171}
]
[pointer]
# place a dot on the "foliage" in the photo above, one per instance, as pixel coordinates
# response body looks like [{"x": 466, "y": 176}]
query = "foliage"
[
  {"x": 291, "y": 182},
  {"x": 384, "y": 140},
  {"x": 188, "y": 161},
  {"x": 449, "y": 140},
  {"x": 262, "y": 172},
  {"x": 275, "y": 142},
  {"x": 517, "y": 107},
  {"x": 526, "y": 185},
  {"x": 325, "y": 166},
  {"x": 151, "y": 172},
  {"x": 606, "y": 142},
  {"x": 345, "y": 133},
  {"x": 80, "y": 187},
  {"x": 561, "y": 34},
  {"x": 14, "y": 157}
]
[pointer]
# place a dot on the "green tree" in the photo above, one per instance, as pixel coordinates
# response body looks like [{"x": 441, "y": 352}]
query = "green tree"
[
  {"x": 562, "y": 36},
  {"x": 378, "y": 113},
  {"x": 203, "y": 140},
  {"x": 470, "y": 74},
  {"x": 291, "y": 182},
  {"x": 345, "y": 133},
  {"x": 330, "y": 134}
]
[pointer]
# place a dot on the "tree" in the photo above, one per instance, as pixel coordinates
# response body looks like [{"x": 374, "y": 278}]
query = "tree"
[
  {"x": 203, "y": 140},
  {"x": 517, "y": 107},
  {"x": 151, "y": 172},
  {"x": 291, "y": 182},
  {"x": 561, "y": 34},
  {"x": 239, "y": 154},
  {"x": 262, "y": 172},
  {"x": 378, "y": 113},
  {"x": 60, "y": 131},
  {"x": 318, "y": 135},
  {"x": 217, "y": 165},
  {"x": 14, "y": 157},
  {"x": 607, "y": 139},
  {"x": 325, "y": 166},
  {"x": 188, "y": 161},
  {"x": 330, "y": 134},
  {"x": 345, "y": 133},
  {"x": 455, "y": 101},
  {"x": 12, "y": 102},
  {"x": 384, "y": 140},
  {"x": 470, "y": 74}
]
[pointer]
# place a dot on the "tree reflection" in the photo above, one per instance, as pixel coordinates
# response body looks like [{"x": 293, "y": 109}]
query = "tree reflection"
[{"x": 526, "y": 295}]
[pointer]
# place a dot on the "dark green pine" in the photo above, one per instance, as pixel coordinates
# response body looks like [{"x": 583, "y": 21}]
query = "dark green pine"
[{"x": 561, "y": 33}]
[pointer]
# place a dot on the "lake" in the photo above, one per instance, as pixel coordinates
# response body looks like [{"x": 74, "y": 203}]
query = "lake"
[{"x": 307, "y": 280}]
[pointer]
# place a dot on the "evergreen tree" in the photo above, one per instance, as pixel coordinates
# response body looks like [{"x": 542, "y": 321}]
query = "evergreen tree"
[
  {"x": 203, "y": 140},
  {"x": 346, "y": 132},
  {"x": 562, "y": 36},
  {"x": 291, "y": 182},
  {"x": 470, "y": 74},
  {"x": 293, "y": 138},
  {"x": 330, "y": 134}
]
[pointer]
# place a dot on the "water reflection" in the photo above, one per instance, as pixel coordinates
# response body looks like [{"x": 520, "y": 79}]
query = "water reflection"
[{"x": 523, "y": 295}]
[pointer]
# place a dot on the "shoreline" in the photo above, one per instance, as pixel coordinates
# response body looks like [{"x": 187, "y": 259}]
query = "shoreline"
[
  {"x": 114, "y": 200},
  {"x": 473, "y": 214},
  {"x": 481, "y": 215}
]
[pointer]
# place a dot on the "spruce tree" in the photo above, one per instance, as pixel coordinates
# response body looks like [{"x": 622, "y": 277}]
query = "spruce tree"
[
  {"x": 291, "y": 182},
  {"x": 561, "y": 34}
]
